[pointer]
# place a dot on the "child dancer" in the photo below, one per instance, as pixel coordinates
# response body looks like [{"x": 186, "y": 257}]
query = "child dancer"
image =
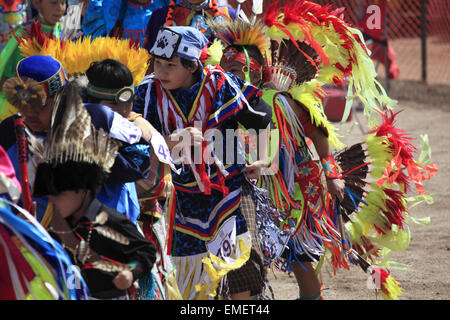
[
  {"x": 77, "y": 157},
  {"x": 187, "y": 101}
]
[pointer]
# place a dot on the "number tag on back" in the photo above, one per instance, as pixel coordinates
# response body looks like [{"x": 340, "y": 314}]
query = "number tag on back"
[{"x": 224, "y": 242}]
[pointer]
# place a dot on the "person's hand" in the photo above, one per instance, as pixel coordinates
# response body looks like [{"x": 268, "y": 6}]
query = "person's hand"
[
  {"x": 123, "y": 280},
  {"x": 336, "y": 188},
  {"x": 253, "y": 171},
  {"x": 190, "y": 136}
]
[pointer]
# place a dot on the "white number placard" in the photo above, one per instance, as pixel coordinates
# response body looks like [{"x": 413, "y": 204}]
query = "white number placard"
[
  {"x": 162, "y": 150},
  {"x": 224, "y": 242}
]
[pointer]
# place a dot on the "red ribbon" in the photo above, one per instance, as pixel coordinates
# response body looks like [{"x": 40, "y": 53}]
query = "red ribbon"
[{"x": 23, "y": 166}]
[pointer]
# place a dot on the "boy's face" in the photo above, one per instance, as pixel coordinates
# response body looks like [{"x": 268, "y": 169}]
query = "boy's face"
[
  {"x": 172, "y": 74},
  {"x": 38, "y": 118},
  {"x": 67, "y": 202},
  {"x": 238, "y": 69},
  {"x": 51, "y": 10}
]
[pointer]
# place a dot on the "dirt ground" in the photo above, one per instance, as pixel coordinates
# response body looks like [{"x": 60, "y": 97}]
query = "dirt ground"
[{"x": 426, "y": 110}]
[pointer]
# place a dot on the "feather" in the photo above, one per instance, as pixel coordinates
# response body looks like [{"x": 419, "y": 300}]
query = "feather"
[
  {"x": 73, "y": 137},
  {"x": 77, "y": 56},
  {"x": 112, "y": 235},
  {"x": 35, "y": 145},
  {"x": 101, "y": 218},
  {"x": 238, "y": 32},
  {"x": 289, "y": 65},
  {"x": 257, "y": 8},
  {"x": 108, "y": 266}
]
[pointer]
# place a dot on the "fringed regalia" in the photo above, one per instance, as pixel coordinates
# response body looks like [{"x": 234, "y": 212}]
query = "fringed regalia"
[
  {"x": 210, "y": 236},
  {"x": 311, "y": 46},
  {"x": 75, "y": 58},
  {"x": 34, "y": 266}
]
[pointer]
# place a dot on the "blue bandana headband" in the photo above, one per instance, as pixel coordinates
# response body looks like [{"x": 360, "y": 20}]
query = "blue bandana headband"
[{"x": 185, "y": 42}]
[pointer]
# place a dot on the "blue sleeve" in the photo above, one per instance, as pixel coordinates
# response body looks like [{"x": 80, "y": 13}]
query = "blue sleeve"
[
  {"x": 133, "y": 160},
  {"x": 94, "y": 23}
]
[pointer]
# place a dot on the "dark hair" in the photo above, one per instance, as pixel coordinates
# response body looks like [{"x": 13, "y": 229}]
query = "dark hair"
[
  {"x": 110, "y": 74},
  {"x": 192, "y": 65},
  {"x": 70, "y": 176}
]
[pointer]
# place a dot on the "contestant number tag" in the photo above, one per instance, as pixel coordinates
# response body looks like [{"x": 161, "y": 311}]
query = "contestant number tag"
[
  {"x": 223, "y": 244},
  {"x": 162, "y": 150}
]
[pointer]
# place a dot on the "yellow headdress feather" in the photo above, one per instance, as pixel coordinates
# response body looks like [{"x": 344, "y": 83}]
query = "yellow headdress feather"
[{"x": 77, "y": 56}]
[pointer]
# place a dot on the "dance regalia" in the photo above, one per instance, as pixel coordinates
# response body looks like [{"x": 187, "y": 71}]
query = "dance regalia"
[
  {"x": 76, "y": 158},
  {"x": 372, "y": 219},
  {"x": 297, "y": 189},
  {"x": 181, "y": 15},
  {"x": 34, "y": 266},
  {"x": 131, "y": 164},
  {"x": 76, "y": 57},
  {"x": 11, "y": 55},
  {"x": 153, "y": 219},
  {"x": 207, "y": 195},
  {"x": 13, "y": 14},
  {"x": 101, "y": 17},
  {"x": 119, "y": 191}
]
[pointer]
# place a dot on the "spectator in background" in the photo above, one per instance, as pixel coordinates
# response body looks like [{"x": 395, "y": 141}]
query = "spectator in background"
[
  {"x": 191, "y": 13},
  {"x": 12, "y": 14},
  {"x": 119, "y": 18}
]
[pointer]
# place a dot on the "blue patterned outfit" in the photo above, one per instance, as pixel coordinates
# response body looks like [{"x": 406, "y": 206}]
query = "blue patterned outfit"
[{"x": 101, "y": 16}]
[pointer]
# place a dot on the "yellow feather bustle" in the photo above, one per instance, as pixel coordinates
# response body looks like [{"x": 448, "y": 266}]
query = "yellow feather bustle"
[{"x": 77, "y": 56}]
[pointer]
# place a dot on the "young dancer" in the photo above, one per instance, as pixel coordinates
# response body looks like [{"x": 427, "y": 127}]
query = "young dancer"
[
  {"x": 317, "y": 219},
  {"x": 244, "y": 56},
  {"x": 188, "y": 103},
  {"x": 39, "y": 78},
  {"x": 77, "y": 157}
]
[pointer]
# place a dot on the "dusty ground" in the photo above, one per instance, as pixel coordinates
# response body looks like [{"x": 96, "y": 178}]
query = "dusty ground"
[{"x": 426, "y": 110}]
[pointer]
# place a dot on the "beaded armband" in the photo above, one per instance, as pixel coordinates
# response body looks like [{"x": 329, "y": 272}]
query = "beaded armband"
[{"x": 330, "y": 167}]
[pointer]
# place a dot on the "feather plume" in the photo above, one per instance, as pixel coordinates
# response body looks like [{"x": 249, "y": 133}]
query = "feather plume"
[
  {"x": 101, "y": 218},
  {"x": 73, "y": 137},
  {"x": 77, "y": 56},
  {"x": 34, "y": 144},
  {"x": 339, "y": 47},
  {"x": 112, "y": 235},
  {"x": 238, "y": 32},
  {"x": 108, "y": 266},
  {"x": 289, "y": 65}
]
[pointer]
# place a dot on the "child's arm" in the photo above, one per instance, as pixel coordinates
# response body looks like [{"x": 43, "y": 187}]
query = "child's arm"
[
  {"x": 139, "y": 252},
  {"x": 323, "y": 148},
  {"x": 144, "y": 125}
]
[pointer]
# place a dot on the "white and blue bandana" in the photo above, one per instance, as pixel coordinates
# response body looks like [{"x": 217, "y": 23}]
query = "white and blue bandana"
[{"x": 185, "y": 42}]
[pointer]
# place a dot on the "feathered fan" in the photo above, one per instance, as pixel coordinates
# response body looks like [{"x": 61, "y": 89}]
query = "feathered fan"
[{"x": 289, "y": 65}]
